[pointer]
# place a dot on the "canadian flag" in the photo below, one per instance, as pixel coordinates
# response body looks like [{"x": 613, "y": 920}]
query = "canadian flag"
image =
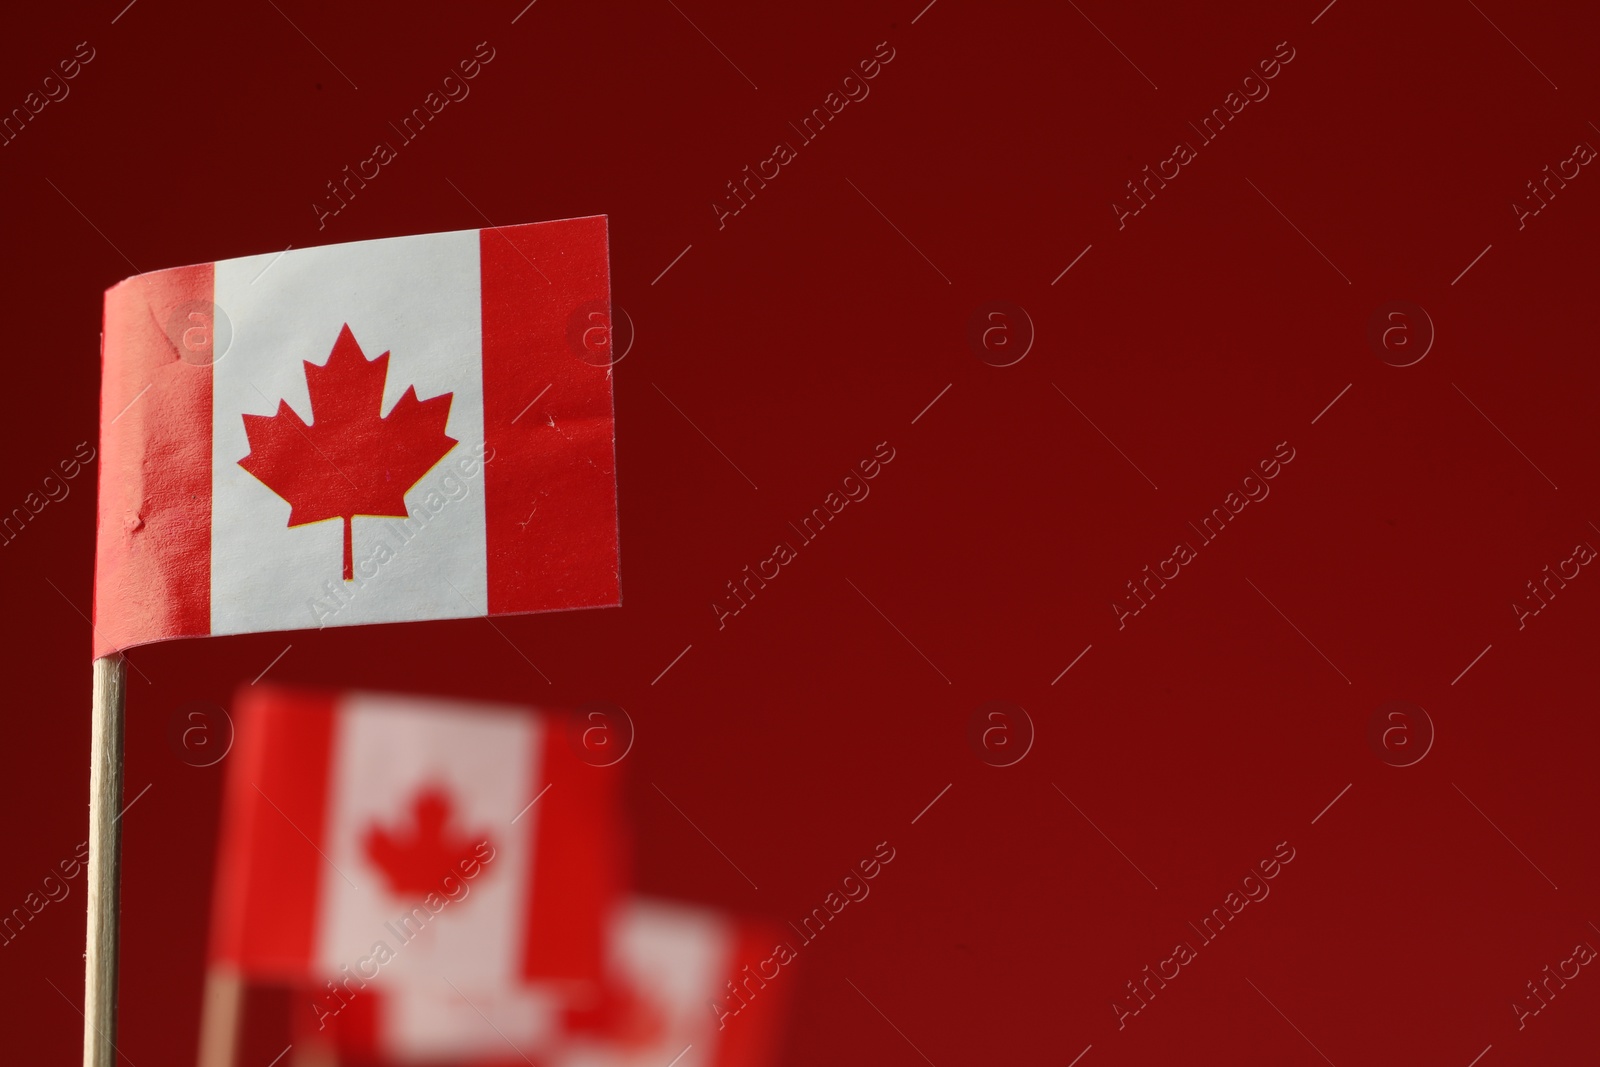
[
  {"x": 377, "y": 842},
  {"x": 673, "y": 968},
  {"x": 667, "y": 965},
  {"x": 381, "y": 431}
]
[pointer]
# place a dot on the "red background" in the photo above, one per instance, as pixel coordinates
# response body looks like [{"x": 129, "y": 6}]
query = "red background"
[{"x": 808, "y": 330}]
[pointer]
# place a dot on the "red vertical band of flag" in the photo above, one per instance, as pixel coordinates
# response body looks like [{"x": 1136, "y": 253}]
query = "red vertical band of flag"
[
  {"x": 752, "y": 1038},
  {"x": 537, "y": 281},
  {"x": 582, "y": 820},
  {"x": 155, "y": 460},
  {"x": 276, "y": 798}
]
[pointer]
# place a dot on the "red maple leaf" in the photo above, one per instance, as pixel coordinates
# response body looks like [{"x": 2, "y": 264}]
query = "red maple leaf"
[
  {"x": 416, "y": 858},
  {"x": 352, "y": 459}
]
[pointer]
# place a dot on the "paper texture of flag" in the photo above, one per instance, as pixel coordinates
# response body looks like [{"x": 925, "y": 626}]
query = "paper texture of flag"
[
  {"x": 668, "y": 965},
  {"x": 373, "y": 841},
  {"x": 379, "y": 431}
]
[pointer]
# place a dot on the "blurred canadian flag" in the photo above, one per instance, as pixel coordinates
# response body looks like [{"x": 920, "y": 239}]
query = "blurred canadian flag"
[
  {"x": 667, "y": 963},
  {"x": 381, "y": 842}
]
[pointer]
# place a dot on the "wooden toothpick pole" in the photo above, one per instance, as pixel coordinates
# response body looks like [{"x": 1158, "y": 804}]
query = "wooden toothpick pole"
[{"x": 105, "y": 861}]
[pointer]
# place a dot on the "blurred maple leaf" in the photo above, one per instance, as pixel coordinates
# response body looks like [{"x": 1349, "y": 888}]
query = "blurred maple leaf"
[
  {"x": 416, "y": 858},
  {"x": 351, "y": 460}
]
